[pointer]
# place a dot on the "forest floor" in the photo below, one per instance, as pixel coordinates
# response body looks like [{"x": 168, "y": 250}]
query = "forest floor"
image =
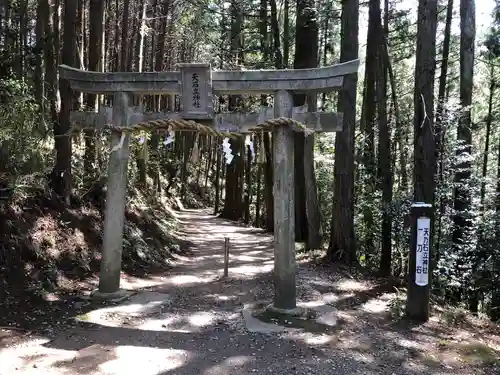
[{"x": 188, "y": 320}]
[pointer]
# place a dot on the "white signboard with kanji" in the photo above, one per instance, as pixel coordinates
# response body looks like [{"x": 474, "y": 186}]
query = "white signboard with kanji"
[{"x": 422, "y": 258}]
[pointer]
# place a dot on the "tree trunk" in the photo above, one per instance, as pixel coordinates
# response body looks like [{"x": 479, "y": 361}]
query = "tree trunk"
[
  {"x": 368, "y": 123},
  {"x": 95, "y": 56},
  {"x": 264, "y": 38},
  {"x": 124, "y": 58},
  {"x": 306, "y": 201},
  {"x": 258, "y": 149},
  {"x": 278, "y": 57},
  {"x": 286, "y": 33},
  {"x": 342, "y": 236},
  {"x": 400, "y": 127},
  {"x": 23, "y": 36},
  {"x": 248, "y": 183},
  {"x": 424, "y": 142},
  {"x": 462, "y": 220},
  {"x": 61, "y": 175},
  {"x": 49, "y": 53},
  {"x": 141, "y": 153},
  {"x": 462, "y": 225},
  {"x": 117, "y": 52},
  {"x": 217, "y": 178},
  {"x": 233, "y": 204},
  {"x": 268, "y": 182},
  {"x": 39, "y": 74},
  {"x": 495, "y": 293},
  {"x": 57, "y": 29},
  {"x": 489, "y": 120},
  {"x": 440, "y": 119},
  {"x": 314, "y": 230},
  {"x": 385, "y": 157}
]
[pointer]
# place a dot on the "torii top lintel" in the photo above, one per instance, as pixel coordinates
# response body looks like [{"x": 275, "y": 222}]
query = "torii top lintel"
[
  {"x": 322, "y": 79},
  {"x": 195, "y": 83}
]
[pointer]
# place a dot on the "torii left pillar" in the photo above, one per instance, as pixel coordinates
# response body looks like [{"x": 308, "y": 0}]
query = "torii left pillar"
[{"x": 114, "y": 219}]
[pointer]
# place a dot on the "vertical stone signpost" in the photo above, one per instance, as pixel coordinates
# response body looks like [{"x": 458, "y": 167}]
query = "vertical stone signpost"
[
  {"x": 195, "y": 84},
  {"x": 419, "y": 278}
]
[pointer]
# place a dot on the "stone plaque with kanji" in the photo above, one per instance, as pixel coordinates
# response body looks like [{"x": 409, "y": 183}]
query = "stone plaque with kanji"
[{"x": 196, "y": 91}]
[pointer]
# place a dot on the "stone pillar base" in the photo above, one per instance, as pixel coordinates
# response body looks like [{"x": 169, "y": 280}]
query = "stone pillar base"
[{"x": 118, "y": 296}]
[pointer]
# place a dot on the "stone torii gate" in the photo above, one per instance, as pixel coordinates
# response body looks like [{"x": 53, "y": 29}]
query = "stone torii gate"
[{"x": 196, "y": 84}]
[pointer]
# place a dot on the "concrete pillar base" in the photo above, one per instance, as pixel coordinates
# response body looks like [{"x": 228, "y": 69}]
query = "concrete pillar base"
[{"x": 296, "y": 312}]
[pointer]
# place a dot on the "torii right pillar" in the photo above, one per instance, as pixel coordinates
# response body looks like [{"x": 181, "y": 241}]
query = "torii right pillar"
[{"x": 284, "y": 207}]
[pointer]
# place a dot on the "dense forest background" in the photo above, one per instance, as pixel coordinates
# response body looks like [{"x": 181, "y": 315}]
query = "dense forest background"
[{"x": 420, "y": 123}]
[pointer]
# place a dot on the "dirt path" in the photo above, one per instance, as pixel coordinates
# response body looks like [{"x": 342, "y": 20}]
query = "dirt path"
[{"x": 189, "y": 322}]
